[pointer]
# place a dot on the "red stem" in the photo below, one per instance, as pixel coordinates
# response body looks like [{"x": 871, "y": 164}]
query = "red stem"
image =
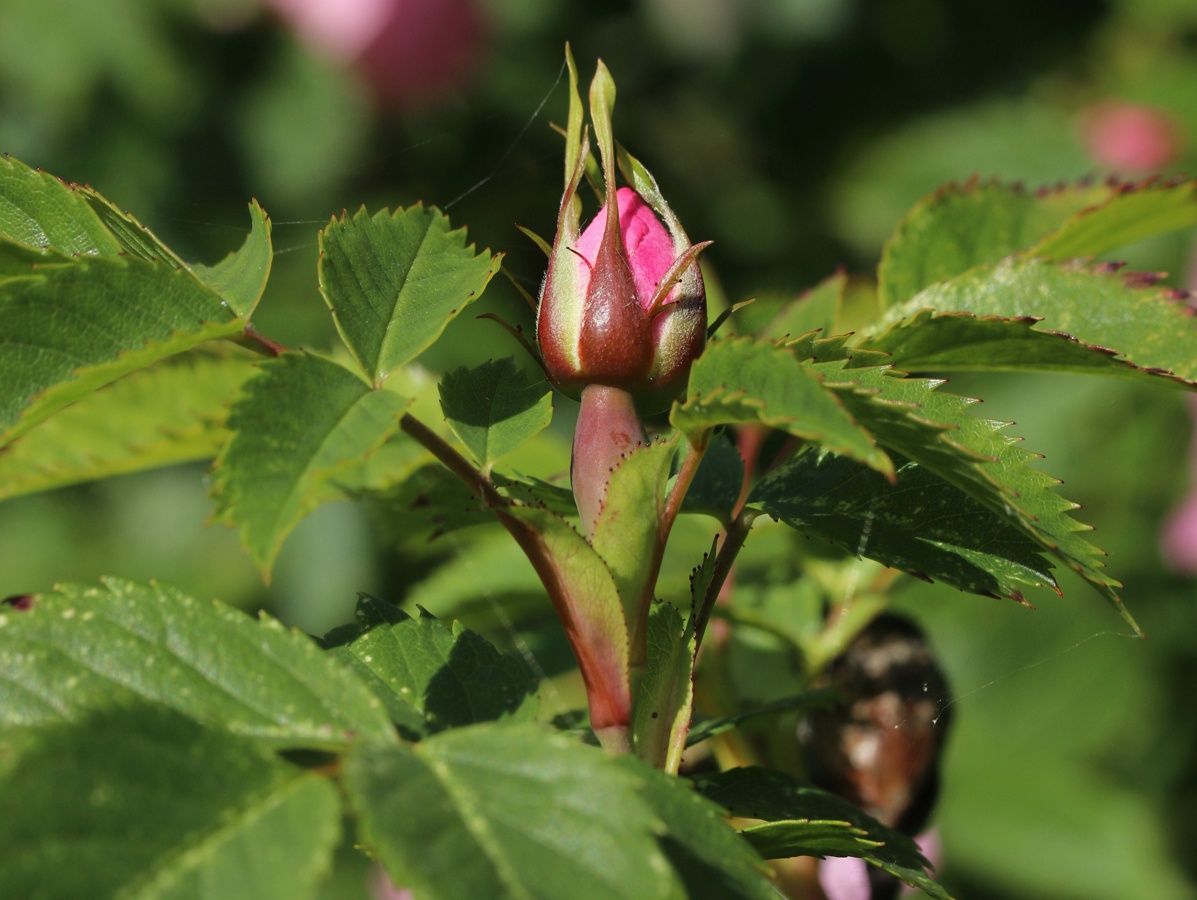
[{"x": 607, "y": 691}]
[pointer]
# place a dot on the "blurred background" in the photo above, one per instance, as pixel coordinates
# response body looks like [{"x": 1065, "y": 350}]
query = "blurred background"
[{"x": 793, "y": 133}]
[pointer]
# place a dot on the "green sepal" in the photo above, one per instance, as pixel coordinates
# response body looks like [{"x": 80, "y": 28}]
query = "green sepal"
[{"x": 627, "y": 530}]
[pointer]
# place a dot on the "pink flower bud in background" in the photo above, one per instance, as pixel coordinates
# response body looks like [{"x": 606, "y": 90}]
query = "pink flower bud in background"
[
  {"x": 411, "y": 52},
  {"x": 1129, "y": 137},
  {"x": 1178, "y": 544},
  {"x": 382, "y": 888},
  {"x": 847, "y": 878}
]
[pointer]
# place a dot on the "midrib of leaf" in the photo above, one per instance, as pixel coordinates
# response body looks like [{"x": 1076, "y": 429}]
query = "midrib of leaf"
[
  {"x": 475, "y": 823},
  {"x": 390, "y": 319},
  {"x": 308, "y": 470}
]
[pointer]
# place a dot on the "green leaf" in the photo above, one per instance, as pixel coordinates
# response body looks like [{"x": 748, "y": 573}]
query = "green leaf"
[
  {"x": 717, "y": 483},
  {"x": 737, "y": 380},
  {"x": 82, "y": 649},
  {"x": 664, "y": 700},
  {"x": 395, "y": 280},
  {"x": 508, "y": 812},
  {"x": 169, "y": 413},
  {"x": 816, "y": 310},
  {"x": 88, "y": 294},
  {"x": 301, "y": 419},
  {"x": 1086, "y": 319},
  {"x": 70, "y": 328},
  {"x": 920, "y": 524},
  {"x": 801, "y": 820},
  {"x": 495, "y": 408},
  {"x": 703, "y": 575},
  {"x": 133, "y": 238},
  {"x": 713, "y": 861},
  {"x": 709, "y": 728},
  {"x": 142, "y": 803},
  {"x": 430, "y": 677},
  {"x": 962, "y": 226},
  {"x": 1130, "y": 213},
  {"x": 44, "y": 213},
  {"x": 240, "y": 278},
  {"x": 911, "y": 417}
]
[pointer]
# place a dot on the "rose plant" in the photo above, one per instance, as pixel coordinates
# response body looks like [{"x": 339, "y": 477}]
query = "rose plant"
[{"x": 154, "y": 745}]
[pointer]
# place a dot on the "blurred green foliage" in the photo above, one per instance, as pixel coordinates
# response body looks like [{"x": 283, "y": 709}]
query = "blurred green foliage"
[{"x": 794, "y": 133}]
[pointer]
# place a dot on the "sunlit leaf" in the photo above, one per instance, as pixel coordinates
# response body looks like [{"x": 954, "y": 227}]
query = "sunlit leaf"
[
  {"x": 170, "y": 413},
  {"x": 508, "y": 812},
  {"x": 737, "y": 380},
  {"x": 300, "y": 420},
  {"x": 70, "y": 328},
  {"x": 1130, "y": 213},
  {"x": 86, "y": 298},
  {"x": 45, "y": 213},
  {"x": 962, "y": 226},
  {"x": 82, "y": 649},
  {"x": 1083, "y": 319},
  {"x": 395, "y": 280}
]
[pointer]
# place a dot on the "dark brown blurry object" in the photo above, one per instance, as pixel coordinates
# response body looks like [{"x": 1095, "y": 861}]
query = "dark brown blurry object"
[{"x": 880, "y": 746}]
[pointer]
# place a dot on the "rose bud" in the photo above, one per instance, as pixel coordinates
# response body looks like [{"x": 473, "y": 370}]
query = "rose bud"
[
  {"x": 622, "y": 310},
  {"x": 623, "y": 302}
]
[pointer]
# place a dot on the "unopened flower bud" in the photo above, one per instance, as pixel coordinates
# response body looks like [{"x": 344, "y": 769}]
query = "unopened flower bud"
[{"x": 623, "y": 303}]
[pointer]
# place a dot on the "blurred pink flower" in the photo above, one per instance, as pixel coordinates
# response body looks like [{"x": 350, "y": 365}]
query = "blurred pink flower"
[
  {"x": 1178, "y": 545},
  {"x": 412, "y": 52},
  {"x": 1130, "y": 137},
  {"x": 847, "y": 878},
  {"x": 382, "y": 888}
]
